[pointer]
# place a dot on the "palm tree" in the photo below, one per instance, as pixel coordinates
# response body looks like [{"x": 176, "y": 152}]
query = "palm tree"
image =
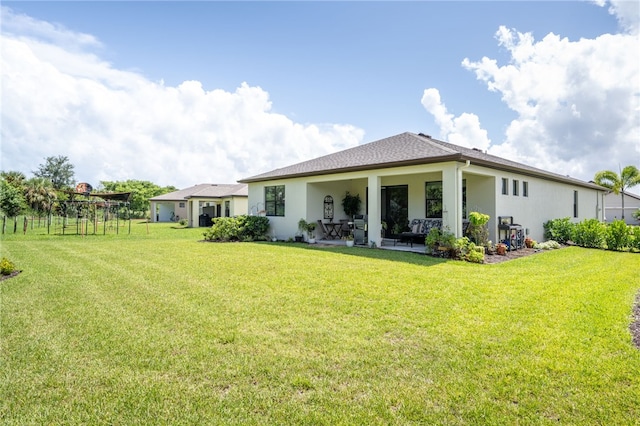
[
  {"x": 39, "y": 194},
  {"x": 628, "y": 178}
]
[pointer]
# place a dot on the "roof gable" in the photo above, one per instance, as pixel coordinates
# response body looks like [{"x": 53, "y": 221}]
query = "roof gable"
[{"x": 205, "y": 190}]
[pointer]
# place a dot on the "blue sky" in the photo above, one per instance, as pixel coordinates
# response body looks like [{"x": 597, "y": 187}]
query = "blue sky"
[{"x": 184, "y": 93}]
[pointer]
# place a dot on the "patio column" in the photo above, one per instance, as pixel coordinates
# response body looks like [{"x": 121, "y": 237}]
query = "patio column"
[
  {"x": 152, "y": 212},
  {"x": 450, "y": 196},
  {"x": 375, "y": 210},
  {"x": 195, "y": 211}
]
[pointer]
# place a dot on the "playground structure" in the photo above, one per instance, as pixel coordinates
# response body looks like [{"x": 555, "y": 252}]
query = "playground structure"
[{"x": 95, "y": 212}]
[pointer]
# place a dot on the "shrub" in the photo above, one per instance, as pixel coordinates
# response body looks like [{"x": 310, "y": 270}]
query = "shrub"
[
  {"x": 559, "y": 230},
  {"x": 6, "y": 266},
  {"x": 478, "y": 227},
  {"x": 437, "y": 237},
  {"x": 183, "y": 222},
  {"x": 634, "y": 240},
  {"x": 241, "y": 228},
  {"x": 547, "y": 245},
  {"x": 618, "y": 235},
  {"x": 590, "y": 233}
]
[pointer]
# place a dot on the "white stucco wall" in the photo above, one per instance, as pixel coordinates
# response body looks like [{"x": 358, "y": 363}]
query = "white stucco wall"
[{"x": 546, "y": 200}]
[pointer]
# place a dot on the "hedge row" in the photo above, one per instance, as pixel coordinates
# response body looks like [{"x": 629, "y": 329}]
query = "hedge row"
[
  {"x": 594, "y": 234},
  {"x": 240, "y": 228}
]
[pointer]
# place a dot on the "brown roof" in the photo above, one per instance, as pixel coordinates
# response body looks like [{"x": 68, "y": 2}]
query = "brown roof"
[
  {"x": 403, "y": 150},
  {"x": 205, "y": 190}
]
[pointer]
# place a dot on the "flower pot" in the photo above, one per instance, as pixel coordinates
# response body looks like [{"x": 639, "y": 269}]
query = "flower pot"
[
  {"x": 528, "y": 242},
  {"x": 312, "y": 240},
  {"x": 501, "y": 249},
  {"x": 349, "y": 243}
]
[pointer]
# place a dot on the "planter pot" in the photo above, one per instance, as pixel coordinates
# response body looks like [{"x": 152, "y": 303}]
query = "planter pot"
[
  {"x": 501, "y": 249},
  {"x": 349, "y": 243},
  {"x": 312, "y": 240},
  {"x": 528, "y": 243},
  {"x": 274, "y": 239}
]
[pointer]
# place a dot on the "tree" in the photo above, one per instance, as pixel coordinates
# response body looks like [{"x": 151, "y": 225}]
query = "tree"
[
  {"x": 628, "y": 178},
  {"x": 58, "y": 170},
  {"x": 39, "y": 194},
  {"x": 11, "y": 201},
  {"x": 13, "y": 178},
  {"x": 140, "y": 190}
]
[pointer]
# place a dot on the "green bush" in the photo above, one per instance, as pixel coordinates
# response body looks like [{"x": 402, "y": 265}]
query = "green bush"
[
  {"x": 618, "y": 235},
  {"x": 560, "y": 230},
  {"x": 241, "y": 228},
  {"x": 6, "y": 266},
  {"x": 634, "y": 242},
  {"x": 547, "y": 245},
  {"x": 590, "y": 233},
  {"x": 465, "y": 249}
]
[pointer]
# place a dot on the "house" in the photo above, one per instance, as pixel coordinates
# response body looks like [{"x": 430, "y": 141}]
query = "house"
[
  {"x": 199, "y": 203},
  {"x": 409, "y": 176},
  {"x": 613, "y": 209}
]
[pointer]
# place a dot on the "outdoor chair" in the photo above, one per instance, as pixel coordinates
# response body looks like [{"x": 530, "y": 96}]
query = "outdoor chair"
[{"x": 323, "y": 229}]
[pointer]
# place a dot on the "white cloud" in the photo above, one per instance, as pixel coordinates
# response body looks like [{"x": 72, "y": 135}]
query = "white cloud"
[
  {"x": 578, "y": 102},
  {"x": 60, "y": 99},
  {"x": 464, "y": 130}
]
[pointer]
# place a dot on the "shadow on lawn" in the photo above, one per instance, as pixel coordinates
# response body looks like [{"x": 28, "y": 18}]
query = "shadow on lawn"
[{"x": 378, "y": 254}]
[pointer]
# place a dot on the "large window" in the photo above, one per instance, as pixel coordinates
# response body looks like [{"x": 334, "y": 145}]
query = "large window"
[
  {"x": 274, "y": 200},
  {"x": 433, "y": 195},
  {"x": 505, "y": 186},
  {"x": 575, "y": 203}
]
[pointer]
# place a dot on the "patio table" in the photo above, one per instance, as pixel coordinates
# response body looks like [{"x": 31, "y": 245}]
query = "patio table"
[{"x": 334, "y": 229}]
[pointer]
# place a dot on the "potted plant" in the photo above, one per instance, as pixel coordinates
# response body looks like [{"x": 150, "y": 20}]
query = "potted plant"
[
  {"x": 529, "y": 243},
  {"x": 349, "y": 240},
  {"x": 501, "y": 249},
  {"x": 307, "y": 227},
  {"x": 351, "y": 204}
]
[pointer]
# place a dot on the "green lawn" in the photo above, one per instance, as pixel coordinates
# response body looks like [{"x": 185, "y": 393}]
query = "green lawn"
[{"x": 159, "y": 328}]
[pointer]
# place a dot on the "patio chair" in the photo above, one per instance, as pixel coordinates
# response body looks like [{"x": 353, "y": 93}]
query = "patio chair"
[
  {"x": 323, "y": 229},
  {"x": 345, "y": 229}
]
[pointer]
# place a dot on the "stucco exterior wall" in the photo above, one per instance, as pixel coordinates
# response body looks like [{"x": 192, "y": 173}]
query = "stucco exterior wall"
[{"x": 546, "y": 199}]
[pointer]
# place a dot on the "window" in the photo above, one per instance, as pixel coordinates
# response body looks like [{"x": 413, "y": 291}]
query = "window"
[
  {"x": 525, "y": 189},
  {"x": 227, "y": 208},
  {"x": 516, "y": 187},
  {"x": 505, "y": 186},
  {"x": 181, "y": 205},
  {"x": 433, "y": 195},
  {"x": 274, "y": 200},
  {"x": 575, "y": 203}
]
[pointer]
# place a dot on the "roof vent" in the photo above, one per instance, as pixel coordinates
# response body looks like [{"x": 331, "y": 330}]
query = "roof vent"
[{"x": 423, "y": 135}]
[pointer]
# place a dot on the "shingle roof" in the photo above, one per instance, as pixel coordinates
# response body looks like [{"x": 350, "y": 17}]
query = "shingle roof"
[
  {"x": 206, "y": 190},
  {"x": 402, "y": 150}
]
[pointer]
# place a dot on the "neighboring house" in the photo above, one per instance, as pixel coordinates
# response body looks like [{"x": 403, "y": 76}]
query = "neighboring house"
[
  {"x": 411, "y": 176},
  {"x": 613, "y": 209},
  {"x": 200, "y": 203}
]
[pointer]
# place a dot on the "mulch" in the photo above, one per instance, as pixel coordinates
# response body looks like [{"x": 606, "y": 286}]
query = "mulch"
[
  {"x": 510, "y": 255},
  {"x": 11, "y": 275}
]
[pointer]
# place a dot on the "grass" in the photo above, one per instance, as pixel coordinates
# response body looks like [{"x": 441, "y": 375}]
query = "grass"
[{"x": 159, "y": 328}]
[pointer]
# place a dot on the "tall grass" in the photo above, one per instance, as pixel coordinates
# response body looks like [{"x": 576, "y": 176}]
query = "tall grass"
[{"x": 160, "y": 328}]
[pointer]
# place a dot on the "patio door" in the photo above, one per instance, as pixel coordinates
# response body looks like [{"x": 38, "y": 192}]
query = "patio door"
[{"x": 395, "y": 208}]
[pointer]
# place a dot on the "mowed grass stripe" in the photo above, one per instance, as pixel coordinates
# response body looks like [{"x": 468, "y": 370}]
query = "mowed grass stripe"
[{"x": 278, "y": 334}]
